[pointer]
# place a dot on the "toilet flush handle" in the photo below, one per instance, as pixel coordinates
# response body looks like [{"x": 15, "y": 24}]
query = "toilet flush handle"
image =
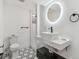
[{"x": 24, "y": 27}]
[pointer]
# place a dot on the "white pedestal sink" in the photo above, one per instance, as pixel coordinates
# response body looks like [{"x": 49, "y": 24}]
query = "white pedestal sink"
[{"x": 55, "y": 41}]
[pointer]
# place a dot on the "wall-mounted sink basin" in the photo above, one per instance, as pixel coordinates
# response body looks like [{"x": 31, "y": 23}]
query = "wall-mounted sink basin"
[
  {"x": 56, "y": 41},
  {"x": 60, "y": 41}
]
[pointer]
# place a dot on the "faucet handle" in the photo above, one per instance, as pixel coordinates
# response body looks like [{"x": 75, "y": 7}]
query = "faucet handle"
[{"x": 51, "y": 29}]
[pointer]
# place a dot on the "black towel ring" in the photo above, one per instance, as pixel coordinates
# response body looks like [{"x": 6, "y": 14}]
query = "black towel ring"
[{"x": 74, "y": 17}]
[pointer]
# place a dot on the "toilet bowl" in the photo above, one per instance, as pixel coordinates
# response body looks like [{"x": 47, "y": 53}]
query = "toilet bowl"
[{"x": 14, "y": 47}]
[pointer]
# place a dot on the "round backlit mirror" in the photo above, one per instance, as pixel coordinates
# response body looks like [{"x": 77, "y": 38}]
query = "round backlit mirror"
[{"x": 54, "y": 12}]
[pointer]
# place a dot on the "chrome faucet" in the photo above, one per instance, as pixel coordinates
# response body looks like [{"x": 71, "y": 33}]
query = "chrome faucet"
[{"x": 51, "y": 29}]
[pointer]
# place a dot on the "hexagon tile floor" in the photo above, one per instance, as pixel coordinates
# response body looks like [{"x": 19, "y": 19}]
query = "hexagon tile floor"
[{"x": 25, "y": 54}]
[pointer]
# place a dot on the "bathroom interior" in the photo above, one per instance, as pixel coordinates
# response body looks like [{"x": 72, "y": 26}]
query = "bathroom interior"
[{"x": 39, "y": 29}]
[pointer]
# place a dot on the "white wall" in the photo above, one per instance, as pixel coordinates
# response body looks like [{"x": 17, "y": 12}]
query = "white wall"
[
  {"x": 71, "y": 30},
  {"x": 1, "y": 21},
  {"x": 16, "y": 15}
]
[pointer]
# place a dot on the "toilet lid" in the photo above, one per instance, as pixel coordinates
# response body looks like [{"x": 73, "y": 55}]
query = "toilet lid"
[{"x": 15, "y": 45}]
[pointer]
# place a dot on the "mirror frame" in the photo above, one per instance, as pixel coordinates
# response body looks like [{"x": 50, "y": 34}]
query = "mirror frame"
[{"x": 61, "y": 13}]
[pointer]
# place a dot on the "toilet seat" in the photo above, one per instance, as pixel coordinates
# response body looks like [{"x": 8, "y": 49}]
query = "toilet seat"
[{"x": 14, "y": 46}]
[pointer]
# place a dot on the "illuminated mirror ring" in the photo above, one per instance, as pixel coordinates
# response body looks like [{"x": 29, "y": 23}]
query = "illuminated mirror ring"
[{"x": 60, "y": 15}]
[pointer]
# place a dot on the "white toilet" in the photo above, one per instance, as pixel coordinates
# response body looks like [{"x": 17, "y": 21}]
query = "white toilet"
[{"x": 14, "y": 47}]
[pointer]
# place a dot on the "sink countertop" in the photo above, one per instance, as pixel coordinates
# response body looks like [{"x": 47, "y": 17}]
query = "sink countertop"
[{"x": 59, "y": 44}]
